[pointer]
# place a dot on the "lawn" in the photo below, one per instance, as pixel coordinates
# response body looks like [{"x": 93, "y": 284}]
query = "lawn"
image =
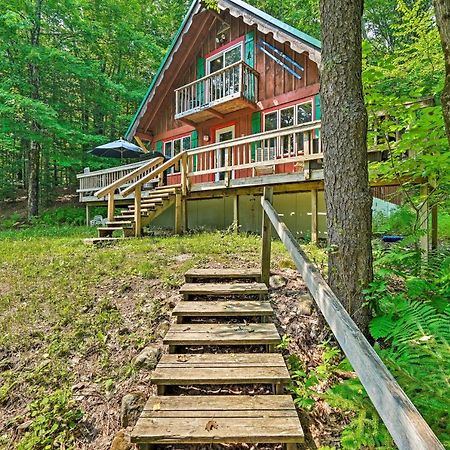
[{"x": 74, "y": 317}]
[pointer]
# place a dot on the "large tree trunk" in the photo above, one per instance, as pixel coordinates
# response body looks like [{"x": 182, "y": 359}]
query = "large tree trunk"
[
  {"x": 442, "y": 10},
  {"x": 34, "y": 154},
  {"x": 344, "y": 134}
]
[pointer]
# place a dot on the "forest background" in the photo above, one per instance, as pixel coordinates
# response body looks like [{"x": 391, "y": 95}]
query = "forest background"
[{"x": 73, "y": 72}]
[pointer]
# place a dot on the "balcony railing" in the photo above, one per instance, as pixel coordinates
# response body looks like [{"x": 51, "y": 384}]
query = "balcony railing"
[{"x": 226, "y": 90}]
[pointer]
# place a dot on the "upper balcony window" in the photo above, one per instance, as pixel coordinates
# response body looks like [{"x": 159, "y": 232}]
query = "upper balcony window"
[{"x": 224, "y": 59}]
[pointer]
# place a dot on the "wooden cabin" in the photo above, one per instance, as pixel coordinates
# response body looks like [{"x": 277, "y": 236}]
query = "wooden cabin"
[{"x": 234, "y": 107}]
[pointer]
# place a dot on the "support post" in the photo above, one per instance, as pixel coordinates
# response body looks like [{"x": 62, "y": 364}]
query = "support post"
[
  {"x": 314, "y": 224},
  {"x": 434, "y": 227},
  {"x": 88, "y": 215},
  {"x": 178, "y": 214},
  {"x": 423, "y": 223},
  {"x": 111, "y": 207},
  {"x": 266, "y": 238},
  {"x": 137, "y": 211},
  {"x": 236, "y": 221},
  {"x": 184, "y": 172}
]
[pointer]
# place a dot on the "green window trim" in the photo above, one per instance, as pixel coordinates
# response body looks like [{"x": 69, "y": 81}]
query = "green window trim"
[
  {"x": 256, "y": 128},
  {"x": 317, "y": 112},
  {"x": 194, "y": 144}
]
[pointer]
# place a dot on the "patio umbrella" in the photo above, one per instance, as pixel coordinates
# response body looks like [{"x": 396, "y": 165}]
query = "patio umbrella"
[{"x": 118, "y": 149}]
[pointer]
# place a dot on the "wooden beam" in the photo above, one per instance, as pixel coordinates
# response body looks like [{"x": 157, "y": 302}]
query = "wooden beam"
[
  {"x": 111, "y": 207},
  {"x": 140, "y": 143},
  {"x": 188, "y": 122},
  {"x": 266, "y": 238},
  {"x": 88, "y": 215},
  {"x": 236, "y": 221},
  {"x": 137, "y": 211},
  {"x": 405, "y": 424},
  {"x": 178, "y": 214},
  {"x": 314, "y": 222},
  {"x": 144, "y": 136},
  {"x": 215, "y": 113}
]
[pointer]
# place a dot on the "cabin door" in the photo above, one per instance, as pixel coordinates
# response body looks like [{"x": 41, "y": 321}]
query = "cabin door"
[{"x": 222, "y": 135}]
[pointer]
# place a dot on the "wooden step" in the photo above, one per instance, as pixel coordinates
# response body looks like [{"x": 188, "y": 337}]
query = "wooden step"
[
  {"x": 218, "y": 419},
  {"x": 149, "y": 203},
  {"x": 155, "y": 195},
  {"x": 129, "y": 216},
  {"x": 222, "y": 334},
  {"x": 108, "y": 231},
  {"x": 120, "y": 224},
  {"x": 102, "y": 240},
  {"x": 227, "y": 308},
  {"x": 228, "y": 368},
  {"x": 223, "y": 289},
  {"x": 205, "y": 274}
]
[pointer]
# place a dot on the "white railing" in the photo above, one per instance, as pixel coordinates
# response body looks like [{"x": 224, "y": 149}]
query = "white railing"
[
  {"x": 260, "y": 153},
  {"x": 248, "y": 156},
  {"x": 238, "y": 80},
  {"x": 91, "y": 182}
]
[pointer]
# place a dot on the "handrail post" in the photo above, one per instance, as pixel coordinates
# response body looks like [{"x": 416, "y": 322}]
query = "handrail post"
[
  {"x": 137, "y": 211},
  {"x": 111, "y": 206},
  {"x": 266, "y": 238},
  {"x": 184, "y": 172}
]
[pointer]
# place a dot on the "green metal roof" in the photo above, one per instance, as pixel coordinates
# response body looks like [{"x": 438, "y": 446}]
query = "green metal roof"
[{"x": 272, "y": 21}]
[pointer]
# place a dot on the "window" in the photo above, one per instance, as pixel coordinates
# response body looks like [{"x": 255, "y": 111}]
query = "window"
[
  {"x": 174, "y": 147},
  {"x": 304, "y": 113},
  {"x": 291, "y": 144},
  {"x": 224, "y": 59},
  {"x": 270, "y": 121},
  {"x": 287, "y": 117}
]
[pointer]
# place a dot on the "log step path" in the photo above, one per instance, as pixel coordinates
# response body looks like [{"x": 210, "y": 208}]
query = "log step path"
[{"x": 235, "y": 295}]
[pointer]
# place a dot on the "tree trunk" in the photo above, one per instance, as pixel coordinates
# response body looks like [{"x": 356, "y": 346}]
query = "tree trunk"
[
  {"x": 442, "y": 10},
  {"x": 35, "y": 148},
  {"x": 344, "y": 140}
]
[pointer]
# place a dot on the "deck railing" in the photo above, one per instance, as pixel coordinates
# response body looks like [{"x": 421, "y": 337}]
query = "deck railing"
[
  {"x": 256, "y": 154},
  {"x": 235, "y": 81},
  {"x": 248, "y": 156},
  {"x": 91, "y": 182}
]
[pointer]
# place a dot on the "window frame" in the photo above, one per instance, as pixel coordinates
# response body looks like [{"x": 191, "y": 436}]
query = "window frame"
[
  {"x": 172, "y": 141},
  {"x": 278, "y": 145},
  {"x": 219, "y": 52}
]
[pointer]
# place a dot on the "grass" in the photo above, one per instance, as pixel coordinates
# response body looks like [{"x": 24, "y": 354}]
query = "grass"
[{"x": 71, "y": 312}]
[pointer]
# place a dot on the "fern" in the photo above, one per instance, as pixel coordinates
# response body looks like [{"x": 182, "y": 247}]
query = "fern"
[{"x": 413, "y": 334}]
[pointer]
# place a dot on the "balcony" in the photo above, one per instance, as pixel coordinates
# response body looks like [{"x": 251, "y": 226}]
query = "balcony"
[{"x": 230, "y": 89}]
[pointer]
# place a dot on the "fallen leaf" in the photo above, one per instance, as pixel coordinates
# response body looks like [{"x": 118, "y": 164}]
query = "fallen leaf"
[
  {"x": 211, "y": 425},
  {"x": 156, "y": 406}
]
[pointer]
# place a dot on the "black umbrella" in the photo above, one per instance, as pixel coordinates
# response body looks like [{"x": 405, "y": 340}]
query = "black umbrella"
[{"x": 118, "y": 149}]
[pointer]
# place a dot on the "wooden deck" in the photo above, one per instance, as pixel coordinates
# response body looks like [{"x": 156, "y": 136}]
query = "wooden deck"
[{"x": 200, "y": 419}]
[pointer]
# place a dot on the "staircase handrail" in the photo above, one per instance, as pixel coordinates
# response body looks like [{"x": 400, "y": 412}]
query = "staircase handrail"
[
  {"x": 167, "y": 165},
  {"x": 111, "y": 188}
]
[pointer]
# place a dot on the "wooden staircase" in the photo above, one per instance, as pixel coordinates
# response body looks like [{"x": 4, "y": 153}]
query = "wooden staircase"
[
  {"x": 243, "y": 355},
  {"x": 155, "y": 203}
]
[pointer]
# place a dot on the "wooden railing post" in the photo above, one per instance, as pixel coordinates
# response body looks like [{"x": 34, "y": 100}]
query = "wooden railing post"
[
  {"x": 178, "y": 214},
  {"x": 266, "y": 238},
  {"x": 184, "y": 172},
  {"x": 314, "y": 231},
  {"x": 111, "y": 206},
  {"x": 137, "y": 211}
]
